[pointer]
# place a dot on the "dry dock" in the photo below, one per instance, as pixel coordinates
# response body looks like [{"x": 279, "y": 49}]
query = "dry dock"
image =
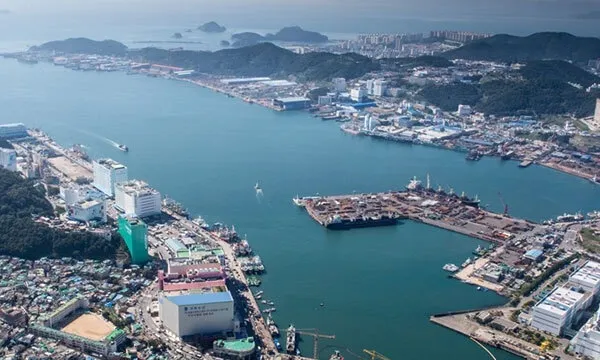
[{"x": 436, "y": 208}]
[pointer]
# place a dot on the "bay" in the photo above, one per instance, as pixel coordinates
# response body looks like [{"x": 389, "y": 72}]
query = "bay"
[{"x": 379, "y": 286}]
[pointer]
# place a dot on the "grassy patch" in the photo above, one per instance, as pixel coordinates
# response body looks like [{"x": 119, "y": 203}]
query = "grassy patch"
[{"x": 590, "y": 241}]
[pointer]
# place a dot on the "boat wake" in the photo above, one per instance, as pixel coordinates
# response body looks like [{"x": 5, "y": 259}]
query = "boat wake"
[{"x": 105, "y": 139}]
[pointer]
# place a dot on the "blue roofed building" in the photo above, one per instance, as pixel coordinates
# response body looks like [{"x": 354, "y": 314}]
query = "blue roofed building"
[
  {"x": 533, "y": 254},
  {"x": 193, "y": 313}
]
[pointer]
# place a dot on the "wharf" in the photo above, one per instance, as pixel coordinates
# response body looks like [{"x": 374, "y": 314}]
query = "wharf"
[
  {"x": 439, "y": 209},
  {"x": 464, "y": 323}
]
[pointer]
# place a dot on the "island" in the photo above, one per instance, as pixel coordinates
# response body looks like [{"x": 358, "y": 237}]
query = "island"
[
  {"x": 212, "y": 27},
  {"x": 287, "y": 34},
  {"x": 224, "y": 43},
  {"x": 177, "y": 36}
]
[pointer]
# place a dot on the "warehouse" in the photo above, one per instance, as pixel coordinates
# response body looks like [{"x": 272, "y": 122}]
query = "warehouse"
[{"x": 291, "y": 103}]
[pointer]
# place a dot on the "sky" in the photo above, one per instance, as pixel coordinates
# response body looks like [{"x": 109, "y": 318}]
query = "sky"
[
  {"x": 517, "y": 17},
  {"x": 400, "y": 8}
]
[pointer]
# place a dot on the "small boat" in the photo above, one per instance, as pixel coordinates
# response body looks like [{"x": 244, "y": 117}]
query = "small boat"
[
  {"x": 450, "y": 268},
  {"x": 257, "y": 186},
  {"x": 264, "y": 301},
  {"x": 336, "y": 356},
  {"x": 322, "y": 304},
  {"x": 595, "y": 180},
  {"x": 259, "y": 293},
  {"x": 123, "y": 147},
  {"x": 479, "y": 288}
]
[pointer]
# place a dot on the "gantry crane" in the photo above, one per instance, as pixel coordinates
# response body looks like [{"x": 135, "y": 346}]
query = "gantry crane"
[
  {"x": 315, "y": 334},
  {"x": 375, "y": 355}
]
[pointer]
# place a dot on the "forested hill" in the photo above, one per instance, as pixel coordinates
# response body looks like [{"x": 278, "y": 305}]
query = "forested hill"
[
  {"x": 264, "y": 59},
  {"x": 22, "y": 237},
  {"x": 538, "y": 46}
]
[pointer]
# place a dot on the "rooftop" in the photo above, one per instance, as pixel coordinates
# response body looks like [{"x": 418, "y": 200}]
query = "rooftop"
[
  {"x": 111, "y": 164},
  {"x": 136, "y": 186},
  {"x": 588, "y": 273},
  {"x": 560, "y": 301},
  {"x": 241, "y": 345},
  {"x": 205, "y": 298},
  {"x": 292, "y": 99}
]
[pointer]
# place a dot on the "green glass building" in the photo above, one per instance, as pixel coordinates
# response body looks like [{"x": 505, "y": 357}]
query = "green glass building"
[{"x": 135, "y": 233}]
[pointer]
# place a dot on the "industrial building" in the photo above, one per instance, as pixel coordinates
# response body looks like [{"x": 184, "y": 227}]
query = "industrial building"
[
  {"x": 108, "y": 173},
  {"x": 587, "y": 341},
  {"x": 587, "y": 278},
  {"x": 557, "y": 311},
  {"x": 13, "y": 131},
  {"x": 291, "y": 103},
  {"x": 8, "y": 159},
  {"x": 136, "y": 198},
  {"x": 189, "y": 314},
  {"x": 87, "y": 210},
  {"x": 135, "y": 233}
]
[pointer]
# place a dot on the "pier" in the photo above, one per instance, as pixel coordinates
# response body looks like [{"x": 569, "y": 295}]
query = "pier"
[{"x": 448, "y": 211}]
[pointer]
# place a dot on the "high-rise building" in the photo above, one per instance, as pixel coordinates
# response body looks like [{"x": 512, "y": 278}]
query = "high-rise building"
[
  {"x": 597, "y": 113},
  {"x": 108, "y": 173},
  {"x": 135, "y": 233},
  {"x": 358, "y": 94},
  {"x": 379, "y": 87},
  {"x": 136, "y": 198},
  {"x": 8, "y": 159},
  {"x": 12, "y": 131},
  {"x": 557, "y": 311},
  {"x": 587, "y": 341},
  {"x": 371, "y": 86},
  {"x": 339, "y": 84}
]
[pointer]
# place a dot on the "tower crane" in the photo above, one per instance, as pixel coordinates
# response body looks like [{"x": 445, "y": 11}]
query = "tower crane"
[
  {"x": 315, "y": 334},
  {"x": 503, "y": 204},
  {"x": 375, "y": 355}
]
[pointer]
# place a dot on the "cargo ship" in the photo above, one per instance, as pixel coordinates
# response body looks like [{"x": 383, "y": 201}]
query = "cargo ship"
[
  {"x": 336, "y": 222},
  {"x": 474, "y": 202}
]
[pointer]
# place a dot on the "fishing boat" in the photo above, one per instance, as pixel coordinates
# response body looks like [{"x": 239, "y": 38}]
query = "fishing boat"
[
  {"x": 290, "y": 344},
  {"x": 450, "y": 268},
  {"x": 257, "y": 186},
  {"x": 123, "y": 147},
  {"x": 336, "y": 356}
]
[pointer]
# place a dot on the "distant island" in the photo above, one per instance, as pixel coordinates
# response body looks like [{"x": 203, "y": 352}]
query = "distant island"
[
  {"x": 224, "y": 43},
  {"x": 84, "y": 46},
  {"x": 177, "y": 36},
  {"x": 287, "y": 34},
  {"x": 538, "y": 46},
  {"x": 212, "y": 27}
]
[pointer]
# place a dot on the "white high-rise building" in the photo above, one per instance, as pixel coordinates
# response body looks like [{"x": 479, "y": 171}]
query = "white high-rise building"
[
  {"x": 464, "y": 110},
  {"x": 556, "y": 312},
  {"x": 371, "y": 87},
  {"x": 108, "y": 173},
  {"x": 339, "y": 84},
  {"x": 8, "y": 159},
  {"x": 597, "y": 113},
  {"x": 137, "y": 198},
  {"x": 358, "y": 94},
  {"x": 12, "y": 131},
  {"x": 379, "y": 87}
]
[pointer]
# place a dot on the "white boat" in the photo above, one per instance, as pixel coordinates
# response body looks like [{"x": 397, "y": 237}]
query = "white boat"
[
  {"x": 257, "y": 186},
  {"x": 595, "y": 180},
  {"x": 450, "y": 268},
  {"x": 466, "y": 263}
]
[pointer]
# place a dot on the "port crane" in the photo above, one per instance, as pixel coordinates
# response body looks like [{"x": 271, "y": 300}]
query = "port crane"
[
  {"x": 315, "y": 334},
  {"x": 503, "y": 204},
  {"x": 375, "y": 355}
]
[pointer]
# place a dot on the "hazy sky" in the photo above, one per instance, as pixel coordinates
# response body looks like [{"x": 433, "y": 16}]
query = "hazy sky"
[{"x": 400, "y": 8}]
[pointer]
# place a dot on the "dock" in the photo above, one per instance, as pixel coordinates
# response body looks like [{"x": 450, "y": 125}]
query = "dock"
[{"x": 436, "y": 208}]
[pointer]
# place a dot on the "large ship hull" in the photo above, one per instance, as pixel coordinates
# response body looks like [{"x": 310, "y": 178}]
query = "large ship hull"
[{"x": 361, "y": 223}]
